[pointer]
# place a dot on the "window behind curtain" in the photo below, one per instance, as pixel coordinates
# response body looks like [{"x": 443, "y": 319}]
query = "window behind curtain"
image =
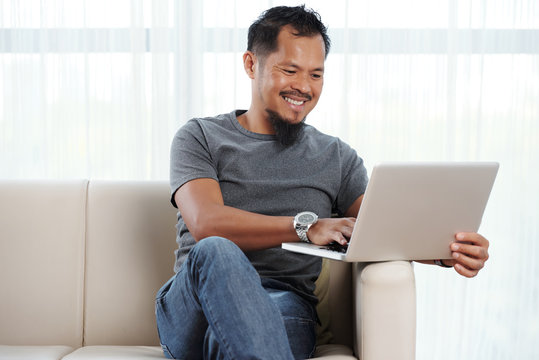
[{"x": 96, "y": 89}]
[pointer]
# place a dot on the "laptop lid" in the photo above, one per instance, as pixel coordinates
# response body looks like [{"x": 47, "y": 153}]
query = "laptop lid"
[{"x": 412, "y": 210}]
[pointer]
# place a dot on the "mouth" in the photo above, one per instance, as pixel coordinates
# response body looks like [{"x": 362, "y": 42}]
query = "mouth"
[{"x": 294, "y": 102}]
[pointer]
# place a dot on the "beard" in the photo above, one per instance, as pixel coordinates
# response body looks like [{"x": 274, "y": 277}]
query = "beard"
[{"x": 285, "y": 132}]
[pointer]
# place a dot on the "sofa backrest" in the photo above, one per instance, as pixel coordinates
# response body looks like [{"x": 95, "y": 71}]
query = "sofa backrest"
[
  {"x": 80, "y": 263},
  {"x": 129, "y": 254},
  {"x": 42, "y": 230}
]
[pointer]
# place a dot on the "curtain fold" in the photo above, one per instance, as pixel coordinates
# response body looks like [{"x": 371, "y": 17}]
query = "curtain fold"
[{"x": 97, "y": 89}]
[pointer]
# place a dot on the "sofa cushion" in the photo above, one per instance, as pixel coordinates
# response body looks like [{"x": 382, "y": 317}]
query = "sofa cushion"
[
  {"x": 42, "y": 227},
  {"x": 13, "y": 352},
  {"x": 324, "y": 352},
  {"x": 117, "y": 353},
  {"x": 333, "y": 352}
]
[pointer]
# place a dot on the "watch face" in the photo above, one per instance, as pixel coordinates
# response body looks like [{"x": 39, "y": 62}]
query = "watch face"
[{"x": 306, "y": 218}]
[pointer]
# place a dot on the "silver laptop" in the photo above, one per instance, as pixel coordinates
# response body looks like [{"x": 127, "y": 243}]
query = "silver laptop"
[{"x": 412, "y": 211}]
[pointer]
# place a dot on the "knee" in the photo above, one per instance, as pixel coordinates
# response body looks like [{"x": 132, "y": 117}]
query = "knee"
[
  {"x": 215, "y": 243},
  {"x": 215, "y": 247},
  {"x": 218, "y": 254}
]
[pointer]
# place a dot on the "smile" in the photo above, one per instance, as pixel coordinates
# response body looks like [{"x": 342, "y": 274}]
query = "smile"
[{"x": 294, "y": 102}]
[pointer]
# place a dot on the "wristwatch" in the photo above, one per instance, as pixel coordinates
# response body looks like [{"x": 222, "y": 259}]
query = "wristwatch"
[{"x": 302, "y": 222}]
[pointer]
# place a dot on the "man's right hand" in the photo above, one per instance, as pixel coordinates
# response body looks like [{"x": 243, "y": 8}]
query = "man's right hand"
[{"x": 330, "y": 230}]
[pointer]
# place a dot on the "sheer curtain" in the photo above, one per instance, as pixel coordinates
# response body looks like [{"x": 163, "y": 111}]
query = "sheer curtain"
[{"x": 97, "y": 89}]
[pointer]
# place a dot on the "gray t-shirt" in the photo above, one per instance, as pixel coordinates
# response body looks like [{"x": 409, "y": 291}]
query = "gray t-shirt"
[{"x": 318, "y": 173}]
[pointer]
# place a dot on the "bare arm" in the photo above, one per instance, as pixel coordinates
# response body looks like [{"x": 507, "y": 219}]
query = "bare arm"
[
  {"x": 353, "y": 210},
  {"x": 201, "y": 204}
]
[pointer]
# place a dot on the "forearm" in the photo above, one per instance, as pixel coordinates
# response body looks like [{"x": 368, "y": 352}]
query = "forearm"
[{"x": 250, "y": 231}]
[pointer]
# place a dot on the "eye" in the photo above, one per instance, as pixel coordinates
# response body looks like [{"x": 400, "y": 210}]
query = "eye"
[
  {"x": 316, "y": 76},
  {"x": 289, "y": 71}
]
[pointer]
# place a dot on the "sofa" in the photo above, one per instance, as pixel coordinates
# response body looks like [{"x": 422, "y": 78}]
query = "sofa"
[{"x": 81, "y": 261}]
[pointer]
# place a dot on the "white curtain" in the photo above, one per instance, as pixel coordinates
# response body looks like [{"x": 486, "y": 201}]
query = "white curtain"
[{"x": 97, "y": 89}]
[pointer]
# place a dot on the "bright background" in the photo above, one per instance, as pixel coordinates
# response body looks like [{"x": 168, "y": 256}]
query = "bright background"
[{"x": 97, "y": 89}]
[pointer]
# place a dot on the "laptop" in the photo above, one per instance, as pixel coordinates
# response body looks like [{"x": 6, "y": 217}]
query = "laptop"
[{"x": 412, "y": 211}]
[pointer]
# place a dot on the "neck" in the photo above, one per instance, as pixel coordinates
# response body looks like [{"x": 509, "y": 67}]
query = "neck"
[{"x": 256, "y": 122}]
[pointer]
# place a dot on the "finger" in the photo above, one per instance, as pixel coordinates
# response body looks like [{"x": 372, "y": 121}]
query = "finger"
[
  {"x": 475, "y": 251},
  {"x": 468, "y": 262},
  {"x": 339, "y": 237},
  {"x": 346, "y": 231},
  {"x": 462, "y": 270},
  {"x": 473, "y": 238}
]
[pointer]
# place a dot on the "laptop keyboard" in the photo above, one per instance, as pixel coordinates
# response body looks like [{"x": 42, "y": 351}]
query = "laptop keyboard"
[{"x": 336, "y": 247}]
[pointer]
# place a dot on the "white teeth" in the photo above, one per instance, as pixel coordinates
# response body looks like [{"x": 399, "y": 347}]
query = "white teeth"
[{"x": 294, "y": 102}]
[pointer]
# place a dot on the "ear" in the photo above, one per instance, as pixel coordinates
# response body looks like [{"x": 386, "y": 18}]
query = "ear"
[{"x": 249, "y": 63}]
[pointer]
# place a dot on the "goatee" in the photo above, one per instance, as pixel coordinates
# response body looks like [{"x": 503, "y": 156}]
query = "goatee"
[{"x": 285, "y": 132}]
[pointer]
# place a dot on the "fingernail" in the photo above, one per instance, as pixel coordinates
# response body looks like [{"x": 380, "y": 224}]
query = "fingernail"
[
  {"x": 460, "y": 236},
  {"x": 456, "y": 255},
  {"x": 454, "y": 247}
]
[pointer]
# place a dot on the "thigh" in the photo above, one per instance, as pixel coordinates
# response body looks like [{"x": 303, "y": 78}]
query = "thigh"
[
  {"x": 217, "y": 287},
  {"x": 300, "y": 321}
]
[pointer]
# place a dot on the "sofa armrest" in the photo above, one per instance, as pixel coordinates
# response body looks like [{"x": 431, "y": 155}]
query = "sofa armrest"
[{"x": 385, "y": 310}]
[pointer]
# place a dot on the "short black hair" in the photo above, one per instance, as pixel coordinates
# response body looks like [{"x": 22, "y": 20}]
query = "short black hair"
[{"x": 263, "y": 33}]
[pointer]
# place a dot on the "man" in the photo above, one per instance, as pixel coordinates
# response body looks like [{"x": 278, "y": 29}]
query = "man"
[{"x": 239, "y": 181}]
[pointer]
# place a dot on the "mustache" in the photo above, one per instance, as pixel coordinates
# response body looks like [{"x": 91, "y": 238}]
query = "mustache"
[{"x": 298, "y": 94}]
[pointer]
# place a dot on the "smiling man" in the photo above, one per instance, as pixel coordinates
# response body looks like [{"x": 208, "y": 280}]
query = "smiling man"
[
  {"x": 247, "y": 181},
  {"x": 287, "y": 83}
]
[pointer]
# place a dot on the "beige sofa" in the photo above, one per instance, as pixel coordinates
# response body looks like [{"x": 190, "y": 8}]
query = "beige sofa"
[{"x": 80, "y": 262}]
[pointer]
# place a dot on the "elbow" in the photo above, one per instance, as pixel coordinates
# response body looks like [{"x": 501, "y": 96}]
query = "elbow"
[
  {"x": 201, "y": 226},
  {"x": 199, "y": 235}
]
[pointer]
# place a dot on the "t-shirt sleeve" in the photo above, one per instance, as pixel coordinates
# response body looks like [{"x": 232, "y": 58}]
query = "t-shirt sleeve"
[
  {"x": 190, "y": 157},
  {"x": 353, "y": 178}
]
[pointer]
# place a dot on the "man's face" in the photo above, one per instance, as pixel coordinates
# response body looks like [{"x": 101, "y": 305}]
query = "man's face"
[{"x": 290, "y": 80}]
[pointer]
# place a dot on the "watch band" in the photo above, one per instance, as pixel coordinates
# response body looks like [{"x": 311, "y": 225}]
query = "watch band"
[
  {"x": 302, "y": 234},
  {"x": 442, "y": 264}
]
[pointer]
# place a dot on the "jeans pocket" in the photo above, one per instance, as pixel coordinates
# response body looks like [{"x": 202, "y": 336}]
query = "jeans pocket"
[
  {"x": 301, "y": 336},
  {"x": 164, "y": 289}
]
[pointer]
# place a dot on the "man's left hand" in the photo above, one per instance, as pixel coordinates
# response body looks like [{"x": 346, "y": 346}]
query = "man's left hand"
[{"x": 469, "y": 253}]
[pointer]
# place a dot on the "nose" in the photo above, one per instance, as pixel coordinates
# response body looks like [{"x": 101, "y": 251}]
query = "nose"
[{"x": 302, "y": 83}]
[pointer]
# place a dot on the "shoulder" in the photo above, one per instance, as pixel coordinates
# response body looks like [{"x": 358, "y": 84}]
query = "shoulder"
[
  {"x": 204, "y": 126},
  {"x": 201, "y": 123},
  {"x": 318, "y": 138}
]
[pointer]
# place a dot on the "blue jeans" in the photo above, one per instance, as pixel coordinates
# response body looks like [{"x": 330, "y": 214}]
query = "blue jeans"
[{"x": 216, "y": 307}]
